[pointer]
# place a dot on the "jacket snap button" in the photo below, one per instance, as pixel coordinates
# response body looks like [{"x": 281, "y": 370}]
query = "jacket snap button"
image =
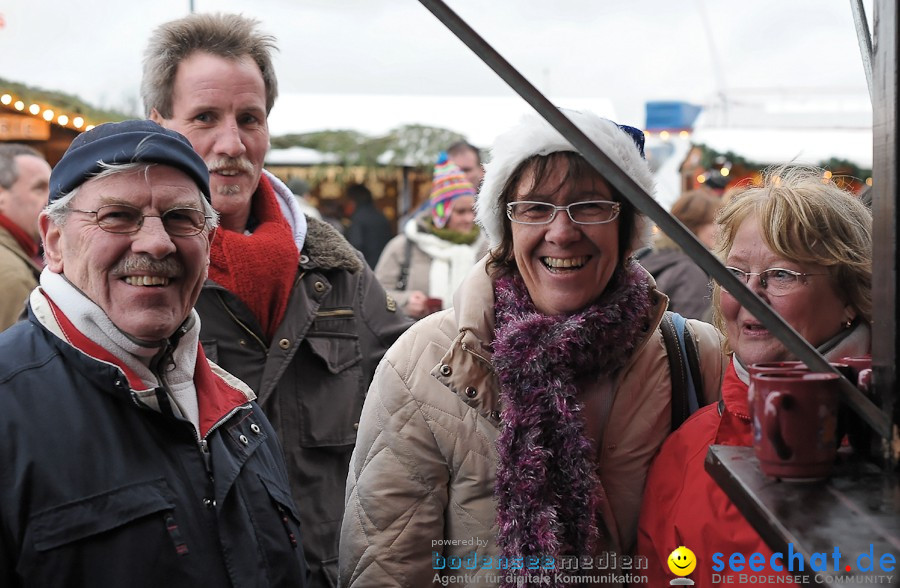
[
  {"x": 446, "y": 370},
  {"x": 356, "y": 426},
  {"x": 319, "y": 287},
  {"x": 495, "y": 415},
  {"x": 244, "y": 439},
  {"x": 243, "y": 342},
  {"x": 209, "y": 502},
  {"x": 284, "y": 343},
  {"x": 471, "y": 392},
  {"x": 304, "y": 259},
  {"x": 255, "y": 428}
]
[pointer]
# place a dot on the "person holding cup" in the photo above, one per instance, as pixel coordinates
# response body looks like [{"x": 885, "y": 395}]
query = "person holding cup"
[
  {"x": 423, "y": 266},
  {"x": 804, "y": 246}
]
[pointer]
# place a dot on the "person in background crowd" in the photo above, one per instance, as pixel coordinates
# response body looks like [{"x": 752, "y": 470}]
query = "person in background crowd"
[
  {"x": 300, "y": 189},
  {"x": 130, "y": 459},
  {"x": 468, "y": 158},
  {"x": 522, "y": 421},
  {"x": 437, "y": 248},
  {"x": 805, "y": 247},
  {"x": 676, "y": 274},
  {"x": 369, "y": 229},
  {"x": 24, "y": 185},
  {"x": 290, "y": 307},
  {"x": 332, "y": 213}
]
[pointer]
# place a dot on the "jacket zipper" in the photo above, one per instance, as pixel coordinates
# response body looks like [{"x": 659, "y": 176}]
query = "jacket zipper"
[{"x": 242, "y": 325}]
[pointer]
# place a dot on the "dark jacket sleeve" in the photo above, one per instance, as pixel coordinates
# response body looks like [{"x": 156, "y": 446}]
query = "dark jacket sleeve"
[
  {"x": 382, "y": 321},
  {"x": 687, "y": 286}
]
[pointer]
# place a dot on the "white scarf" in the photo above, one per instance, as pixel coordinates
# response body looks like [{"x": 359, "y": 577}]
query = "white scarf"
[
  {"x": 290, "y": 208},
  {"x": 450, "y": 262},
  {"x": 94, "y": 324}
]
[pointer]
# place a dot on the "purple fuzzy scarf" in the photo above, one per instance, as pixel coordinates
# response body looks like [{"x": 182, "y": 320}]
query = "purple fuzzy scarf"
[{"x": 547, "y": 486}]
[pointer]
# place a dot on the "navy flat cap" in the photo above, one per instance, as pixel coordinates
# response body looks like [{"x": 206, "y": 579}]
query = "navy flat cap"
[{"x": 131, "y": 141}]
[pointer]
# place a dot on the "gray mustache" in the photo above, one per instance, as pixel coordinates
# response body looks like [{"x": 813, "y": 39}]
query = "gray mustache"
[
  {"x": 168, "y": 267},
  {"x": 241, "y": 164}
]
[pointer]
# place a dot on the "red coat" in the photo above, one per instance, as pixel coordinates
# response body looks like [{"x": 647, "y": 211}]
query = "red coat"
[{"x": 684, "y": 506}]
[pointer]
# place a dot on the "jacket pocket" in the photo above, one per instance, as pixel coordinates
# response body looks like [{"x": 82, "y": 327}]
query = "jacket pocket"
[
  {"x": 334, "y": 339},
  {"x": 331, "y": 385},
  {"x": 281, "y": 541},
  {"x": 281, "y": 498},
  {"x": 98, "y": 514}
]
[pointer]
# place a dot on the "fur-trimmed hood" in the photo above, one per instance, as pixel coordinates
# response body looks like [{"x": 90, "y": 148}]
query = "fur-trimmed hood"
[{"x": 535, "y": 136}]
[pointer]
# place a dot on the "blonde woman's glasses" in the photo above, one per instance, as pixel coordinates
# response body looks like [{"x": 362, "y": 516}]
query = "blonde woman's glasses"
[{"x": 777, "y": 281}]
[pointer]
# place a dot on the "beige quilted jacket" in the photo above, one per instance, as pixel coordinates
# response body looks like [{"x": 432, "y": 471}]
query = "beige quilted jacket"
[{"x": 420, "y": 487}]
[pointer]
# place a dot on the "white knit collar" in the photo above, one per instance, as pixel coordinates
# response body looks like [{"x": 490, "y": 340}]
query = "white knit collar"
[{"x": 94, "y": 323}]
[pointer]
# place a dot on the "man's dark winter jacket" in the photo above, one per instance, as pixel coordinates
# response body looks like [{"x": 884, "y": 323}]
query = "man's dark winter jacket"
[
  {"x": 311, "y": 377},
  {"x": 98, "y": 490}
]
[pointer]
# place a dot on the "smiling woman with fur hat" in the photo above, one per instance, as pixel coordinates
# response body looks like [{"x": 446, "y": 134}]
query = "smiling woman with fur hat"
[{"x": 521, "y": 423}]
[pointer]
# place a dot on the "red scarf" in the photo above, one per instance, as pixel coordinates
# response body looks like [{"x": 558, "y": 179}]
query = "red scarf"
[
  {"x": 25, "y": 241},
  {"x": 259, "y": 268}
]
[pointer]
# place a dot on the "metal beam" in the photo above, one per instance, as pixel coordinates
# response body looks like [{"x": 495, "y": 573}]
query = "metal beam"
[
  {"x": 865, "y": 42},
  {"x": 650, "y": 207},
  {"x": 886, "y": 215}
]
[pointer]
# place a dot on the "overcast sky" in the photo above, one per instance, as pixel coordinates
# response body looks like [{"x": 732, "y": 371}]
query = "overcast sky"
[{"x": 627, "y": 52}]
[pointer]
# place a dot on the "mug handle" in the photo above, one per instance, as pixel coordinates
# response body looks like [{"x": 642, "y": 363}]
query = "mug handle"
[
  {"x": 776, "y": 402},
  {"x": 864, "y": 382}
]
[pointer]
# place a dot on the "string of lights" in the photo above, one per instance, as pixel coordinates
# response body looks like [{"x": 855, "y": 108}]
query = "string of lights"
[{"x": 68, "y": 120}]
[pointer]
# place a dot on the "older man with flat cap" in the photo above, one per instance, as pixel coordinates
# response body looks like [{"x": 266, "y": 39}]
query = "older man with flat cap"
[{"x": 129, "y": 459}]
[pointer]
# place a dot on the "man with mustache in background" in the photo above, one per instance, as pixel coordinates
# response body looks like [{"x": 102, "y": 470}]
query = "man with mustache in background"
[
  {"x": 129, "y": 459},
  {"x": 290, "y": 307}
]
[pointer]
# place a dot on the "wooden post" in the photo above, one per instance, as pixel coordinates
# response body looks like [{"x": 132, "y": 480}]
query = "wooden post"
[{"x": 885, "y": 346}]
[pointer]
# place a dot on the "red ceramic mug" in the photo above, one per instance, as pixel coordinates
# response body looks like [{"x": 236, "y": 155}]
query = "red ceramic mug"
[
  {"x": 433, "y": 305},
  {"x": 857, "y": 364},
  {"x": 768, "y": 367},
  {"x": 794, "y": 424}
]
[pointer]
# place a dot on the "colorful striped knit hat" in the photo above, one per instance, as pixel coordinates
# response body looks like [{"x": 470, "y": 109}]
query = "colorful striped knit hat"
[{"x": 449, "y": 183}]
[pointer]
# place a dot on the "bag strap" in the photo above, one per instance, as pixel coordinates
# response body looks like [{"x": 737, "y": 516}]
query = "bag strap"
[
  {"x": 403, "y": 280},
  {"x": 694, "y": 373},
  {"x": 684, "y": 367},
  {"x": 676, "y": 369}
]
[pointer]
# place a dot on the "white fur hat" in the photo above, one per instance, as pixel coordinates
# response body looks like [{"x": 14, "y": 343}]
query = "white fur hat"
[{"x": 534, "y": 136}]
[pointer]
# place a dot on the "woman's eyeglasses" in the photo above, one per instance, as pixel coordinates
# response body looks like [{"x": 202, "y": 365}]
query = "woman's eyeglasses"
[
  {"x": 777, "y": 281},
  {"x": 590, "y": 212},
  {"x": 123, "y": 219}
]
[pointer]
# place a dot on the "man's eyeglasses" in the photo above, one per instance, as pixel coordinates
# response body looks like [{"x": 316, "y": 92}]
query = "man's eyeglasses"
[
  {"x": 123, "y": 219},
  {"x": 590, "y": 212},
  {"x": 777, "y": 281}
]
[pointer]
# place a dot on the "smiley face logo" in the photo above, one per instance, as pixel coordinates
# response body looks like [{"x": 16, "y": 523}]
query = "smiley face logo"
[{"x": 682, "y": 561}]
